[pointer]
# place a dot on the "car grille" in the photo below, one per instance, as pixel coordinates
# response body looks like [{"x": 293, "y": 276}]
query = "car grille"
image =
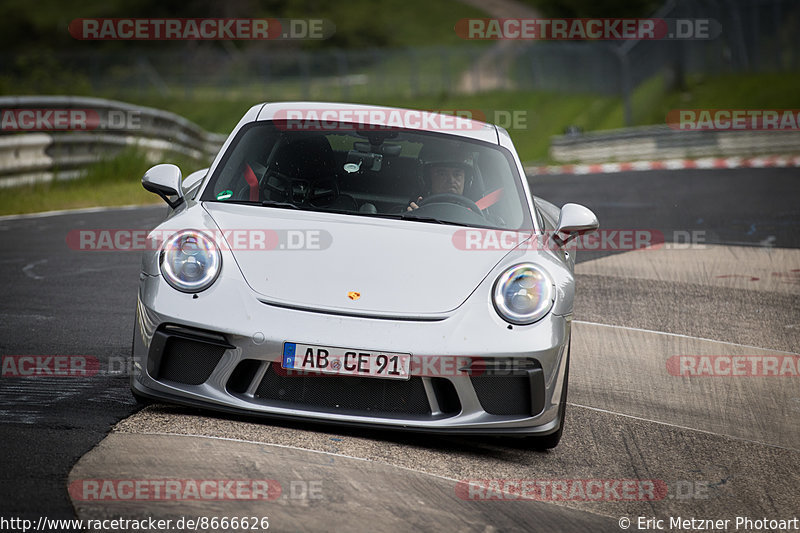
[
  {"x": 185, "y": 355},
  {"x": 517, "y": 393},
  {"x": 345, "y": 394},
  {"x": 189, "y": 362}
]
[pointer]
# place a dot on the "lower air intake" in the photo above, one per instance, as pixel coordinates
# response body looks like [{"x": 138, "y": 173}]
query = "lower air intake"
[
  {"x": 344, "y": 394},
  {"x": 187, "y": 361}
]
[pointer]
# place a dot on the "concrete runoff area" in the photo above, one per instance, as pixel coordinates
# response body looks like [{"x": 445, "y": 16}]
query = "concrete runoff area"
[
  {"x": 755, "y": 268},
  {"x": 699, "y": 384},
  {"x": 703, "y": 474},
  {"x": 731, "y": 292},
  {"x": 302, "y": 490}
]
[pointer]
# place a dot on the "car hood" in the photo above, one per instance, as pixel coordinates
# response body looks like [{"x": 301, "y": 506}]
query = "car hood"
[{"x": 397, "y": 268}]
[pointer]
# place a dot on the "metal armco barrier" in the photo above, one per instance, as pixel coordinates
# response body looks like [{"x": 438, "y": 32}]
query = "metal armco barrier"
[
  {"x": 663, "y": 142},
  {"x": 81, "y": 131}
]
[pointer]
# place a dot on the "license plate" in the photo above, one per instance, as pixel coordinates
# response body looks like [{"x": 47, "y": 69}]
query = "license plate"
[{"x": 327, "y": 360}]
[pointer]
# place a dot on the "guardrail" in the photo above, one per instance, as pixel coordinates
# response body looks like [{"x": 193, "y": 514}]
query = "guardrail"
[
  {"x": 56, "y": 137},
  {"x": 663, "y": 142}
]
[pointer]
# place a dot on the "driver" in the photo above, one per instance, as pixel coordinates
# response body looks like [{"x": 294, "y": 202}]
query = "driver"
[
  {"x": 447, "y": 169},
  {"x": 444, "y": 178}
]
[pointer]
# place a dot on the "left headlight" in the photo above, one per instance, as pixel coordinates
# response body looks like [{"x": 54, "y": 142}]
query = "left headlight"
[
  {"x": 523, "y": 294},
  {"x": 190, "y": 261}
]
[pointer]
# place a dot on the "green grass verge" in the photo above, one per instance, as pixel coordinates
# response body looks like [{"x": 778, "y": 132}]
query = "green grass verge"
[
  {"x": 652, "y": 101},
  {"x": 114, "y": 181}
]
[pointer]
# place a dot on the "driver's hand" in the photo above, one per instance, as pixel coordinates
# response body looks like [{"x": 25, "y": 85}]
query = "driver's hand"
[{"x": 413, "y": 205}]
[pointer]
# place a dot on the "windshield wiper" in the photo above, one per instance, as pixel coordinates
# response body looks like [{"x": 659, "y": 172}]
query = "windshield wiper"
[
  {"x": 273, "y": 203},
  {"x": 265, "y": 203},
  {"x": 242, "y": 202},
  {"x": 433, "y": 220}
]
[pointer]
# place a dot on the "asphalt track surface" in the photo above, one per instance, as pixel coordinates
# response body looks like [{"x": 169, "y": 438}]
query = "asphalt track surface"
[{"x": 732, "y": 442}]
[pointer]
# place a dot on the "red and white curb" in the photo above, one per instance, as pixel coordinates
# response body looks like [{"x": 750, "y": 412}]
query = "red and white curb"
[{"x": 670, "y": 164}]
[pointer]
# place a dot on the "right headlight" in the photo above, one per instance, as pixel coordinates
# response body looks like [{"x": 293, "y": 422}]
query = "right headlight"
[
  {"x": 190, "y": 261},
  {"x": 523, "y": 294}
]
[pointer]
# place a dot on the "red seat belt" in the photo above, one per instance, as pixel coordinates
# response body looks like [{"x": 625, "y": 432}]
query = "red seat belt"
[
  {"x": 490, "y": 199},
  {"x": 252, "y": 181}
]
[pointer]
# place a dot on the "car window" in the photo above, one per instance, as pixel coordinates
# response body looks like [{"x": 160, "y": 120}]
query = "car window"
[{"x": 375, "y": 172}]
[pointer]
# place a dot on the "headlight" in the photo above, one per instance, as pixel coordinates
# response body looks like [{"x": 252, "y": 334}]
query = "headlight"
[
  {"x": 523, "y": 294},
  {"x": 190, "y": 261}
]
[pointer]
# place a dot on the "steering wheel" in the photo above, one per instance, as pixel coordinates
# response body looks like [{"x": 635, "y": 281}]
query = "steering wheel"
[
  {"x": 451, "y": 198},
  {"x": 284, "y": 186},
  {"x": 300, "y": 191},
  {"x": 323, "y": 191},
  {"x": 288, "y": 189}
]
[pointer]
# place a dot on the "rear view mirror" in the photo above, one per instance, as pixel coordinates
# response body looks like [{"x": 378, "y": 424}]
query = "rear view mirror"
[
  {"x": 358, "y": 161},
  {"x": 165, "y": 181}
]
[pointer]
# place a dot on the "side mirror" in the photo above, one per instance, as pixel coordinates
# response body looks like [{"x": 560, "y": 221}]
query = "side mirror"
[
  {"x": 165, "y": 181},
  {"x": 575, "y": 220}
]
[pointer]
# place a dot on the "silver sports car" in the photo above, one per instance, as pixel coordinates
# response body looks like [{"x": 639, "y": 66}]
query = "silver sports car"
[{"x": 360, "y": 265}]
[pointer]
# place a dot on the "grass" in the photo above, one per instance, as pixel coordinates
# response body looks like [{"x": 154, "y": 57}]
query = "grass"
[
  {"x": 72, "y": 194},
  {"x": 110, "y": 182},
  {"x": 652, "y": 101}
]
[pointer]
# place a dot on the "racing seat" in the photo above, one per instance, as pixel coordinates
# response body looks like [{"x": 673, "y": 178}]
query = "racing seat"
[
  {"x": 305, "y": 168},
  {"x": 305, "y": 157}
]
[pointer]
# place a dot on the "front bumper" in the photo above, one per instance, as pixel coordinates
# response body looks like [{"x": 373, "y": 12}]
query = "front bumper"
[{"x": 229, "y": 346}]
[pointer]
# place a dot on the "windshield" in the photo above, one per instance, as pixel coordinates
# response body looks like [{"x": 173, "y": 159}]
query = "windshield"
[{"x": 405, "y": 174}]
